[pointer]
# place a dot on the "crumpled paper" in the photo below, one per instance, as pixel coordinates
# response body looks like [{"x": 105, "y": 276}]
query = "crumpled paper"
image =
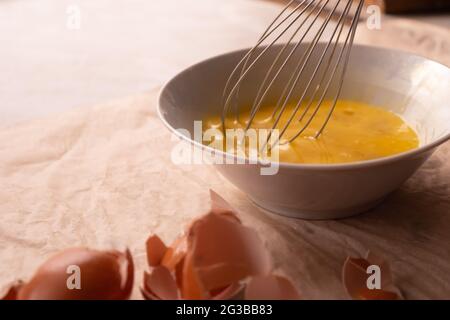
[{"x": 103, "y": 176}]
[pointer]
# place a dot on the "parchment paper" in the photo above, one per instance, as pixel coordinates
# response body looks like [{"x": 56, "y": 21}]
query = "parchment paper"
[{"x": 103, "y": 175}]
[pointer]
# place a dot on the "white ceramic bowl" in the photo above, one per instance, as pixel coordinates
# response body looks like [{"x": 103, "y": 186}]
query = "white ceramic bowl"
[{"x": 414, "y": 87}]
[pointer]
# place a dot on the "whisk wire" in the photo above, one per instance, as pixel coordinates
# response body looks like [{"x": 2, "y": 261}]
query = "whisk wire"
[
  {"x": 326, "y": 66},
  {"x": 260, "y": 97},
  {"x": 245, "y": 72},
  {"x": 315, "y": 73},
  {"x": 244, "y": 67},
  {"x": 258, "y": 104},
  {"x": 347, "y": 58},
  {"x": 304, "y": 63}
]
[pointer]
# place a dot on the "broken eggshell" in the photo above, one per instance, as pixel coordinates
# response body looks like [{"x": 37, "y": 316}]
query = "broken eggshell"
[
  {"x": 103, "y": 275},
  {"x": 159, "y": 284},
  {"x": 178, "y": 268},
  {"x": 354, "y": 277},
  {"x": 224, "y": 252},
  {"x": 10, "y": 291},
  {"x": 212, "y": 261},
  {"x": 157, "y": 252}
]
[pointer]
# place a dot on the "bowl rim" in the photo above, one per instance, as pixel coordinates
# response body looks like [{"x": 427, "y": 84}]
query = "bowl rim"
[{"x": 306, "y": 166}]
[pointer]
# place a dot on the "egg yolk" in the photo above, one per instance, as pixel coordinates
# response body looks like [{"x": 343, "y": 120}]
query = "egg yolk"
[{"x": 355, "y": 132}]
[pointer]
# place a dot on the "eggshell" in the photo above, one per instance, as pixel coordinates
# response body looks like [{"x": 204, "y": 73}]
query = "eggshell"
[
  {"x": 146, "y": 293},
  {"x": 160, "y": 284},
  {"x": 354, "y": 277},
  {"x": 225, "y": 252},
  {"x": 220, "y": 206},
  {"x": 192, "y": 288},
  {"x": 375, "y": 259},
  {"x": 179, "y": 273},
  {"x": 233, "y": 291},
  {"x": 156, "y": 249},
  {"x": 10, "y": 291},
  {"x": 367, "y": 294},
  {"x": 175, "y": 253},
  {"x": 270, "y": 287},
  {"x": 210, "y": 261},
  {"x": 105, "y": 275}
]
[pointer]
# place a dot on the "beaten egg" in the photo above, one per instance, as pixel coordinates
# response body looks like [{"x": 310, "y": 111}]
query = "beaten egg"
[{"x": 356, "y": 132}]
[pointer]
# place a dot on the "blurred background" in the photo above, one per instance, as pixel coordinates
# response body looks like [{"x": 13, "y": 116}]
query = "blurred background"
[{"x": 59, "y": 54}]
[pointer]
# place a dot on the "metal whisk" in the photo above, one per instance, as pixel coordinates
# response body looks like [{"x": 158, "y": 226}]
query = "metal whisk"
[{"x": 340, "y": 18}]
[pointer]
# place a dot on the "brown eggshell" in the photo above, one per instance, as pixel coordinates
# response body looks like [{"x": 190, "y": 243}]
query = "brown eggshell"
[
  {"x": 192, "y": 288},
  {"x": 105, "y": 275},
  {"x": 146, "y": 293},
  {"x": 160, "y": 284},
  {"x": 10, "y": 291},
  {"x": 208, "y": 262},
  {"x": 233, "y": 291},
  {"x": 354, "y": 277},
  {"x": 270, "y": 287},
  {"x": 375, "y": 259},
  {"x": 179, "y": 273},
  {"x": 219, "y": 203},
  {"x": 367, "y": 294},
  {"x": 175, "y": 253},
  {"x": 220, "y": 206},
  {"x": 225, "y": 252},
  {"x": 156, "y": 249}
]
